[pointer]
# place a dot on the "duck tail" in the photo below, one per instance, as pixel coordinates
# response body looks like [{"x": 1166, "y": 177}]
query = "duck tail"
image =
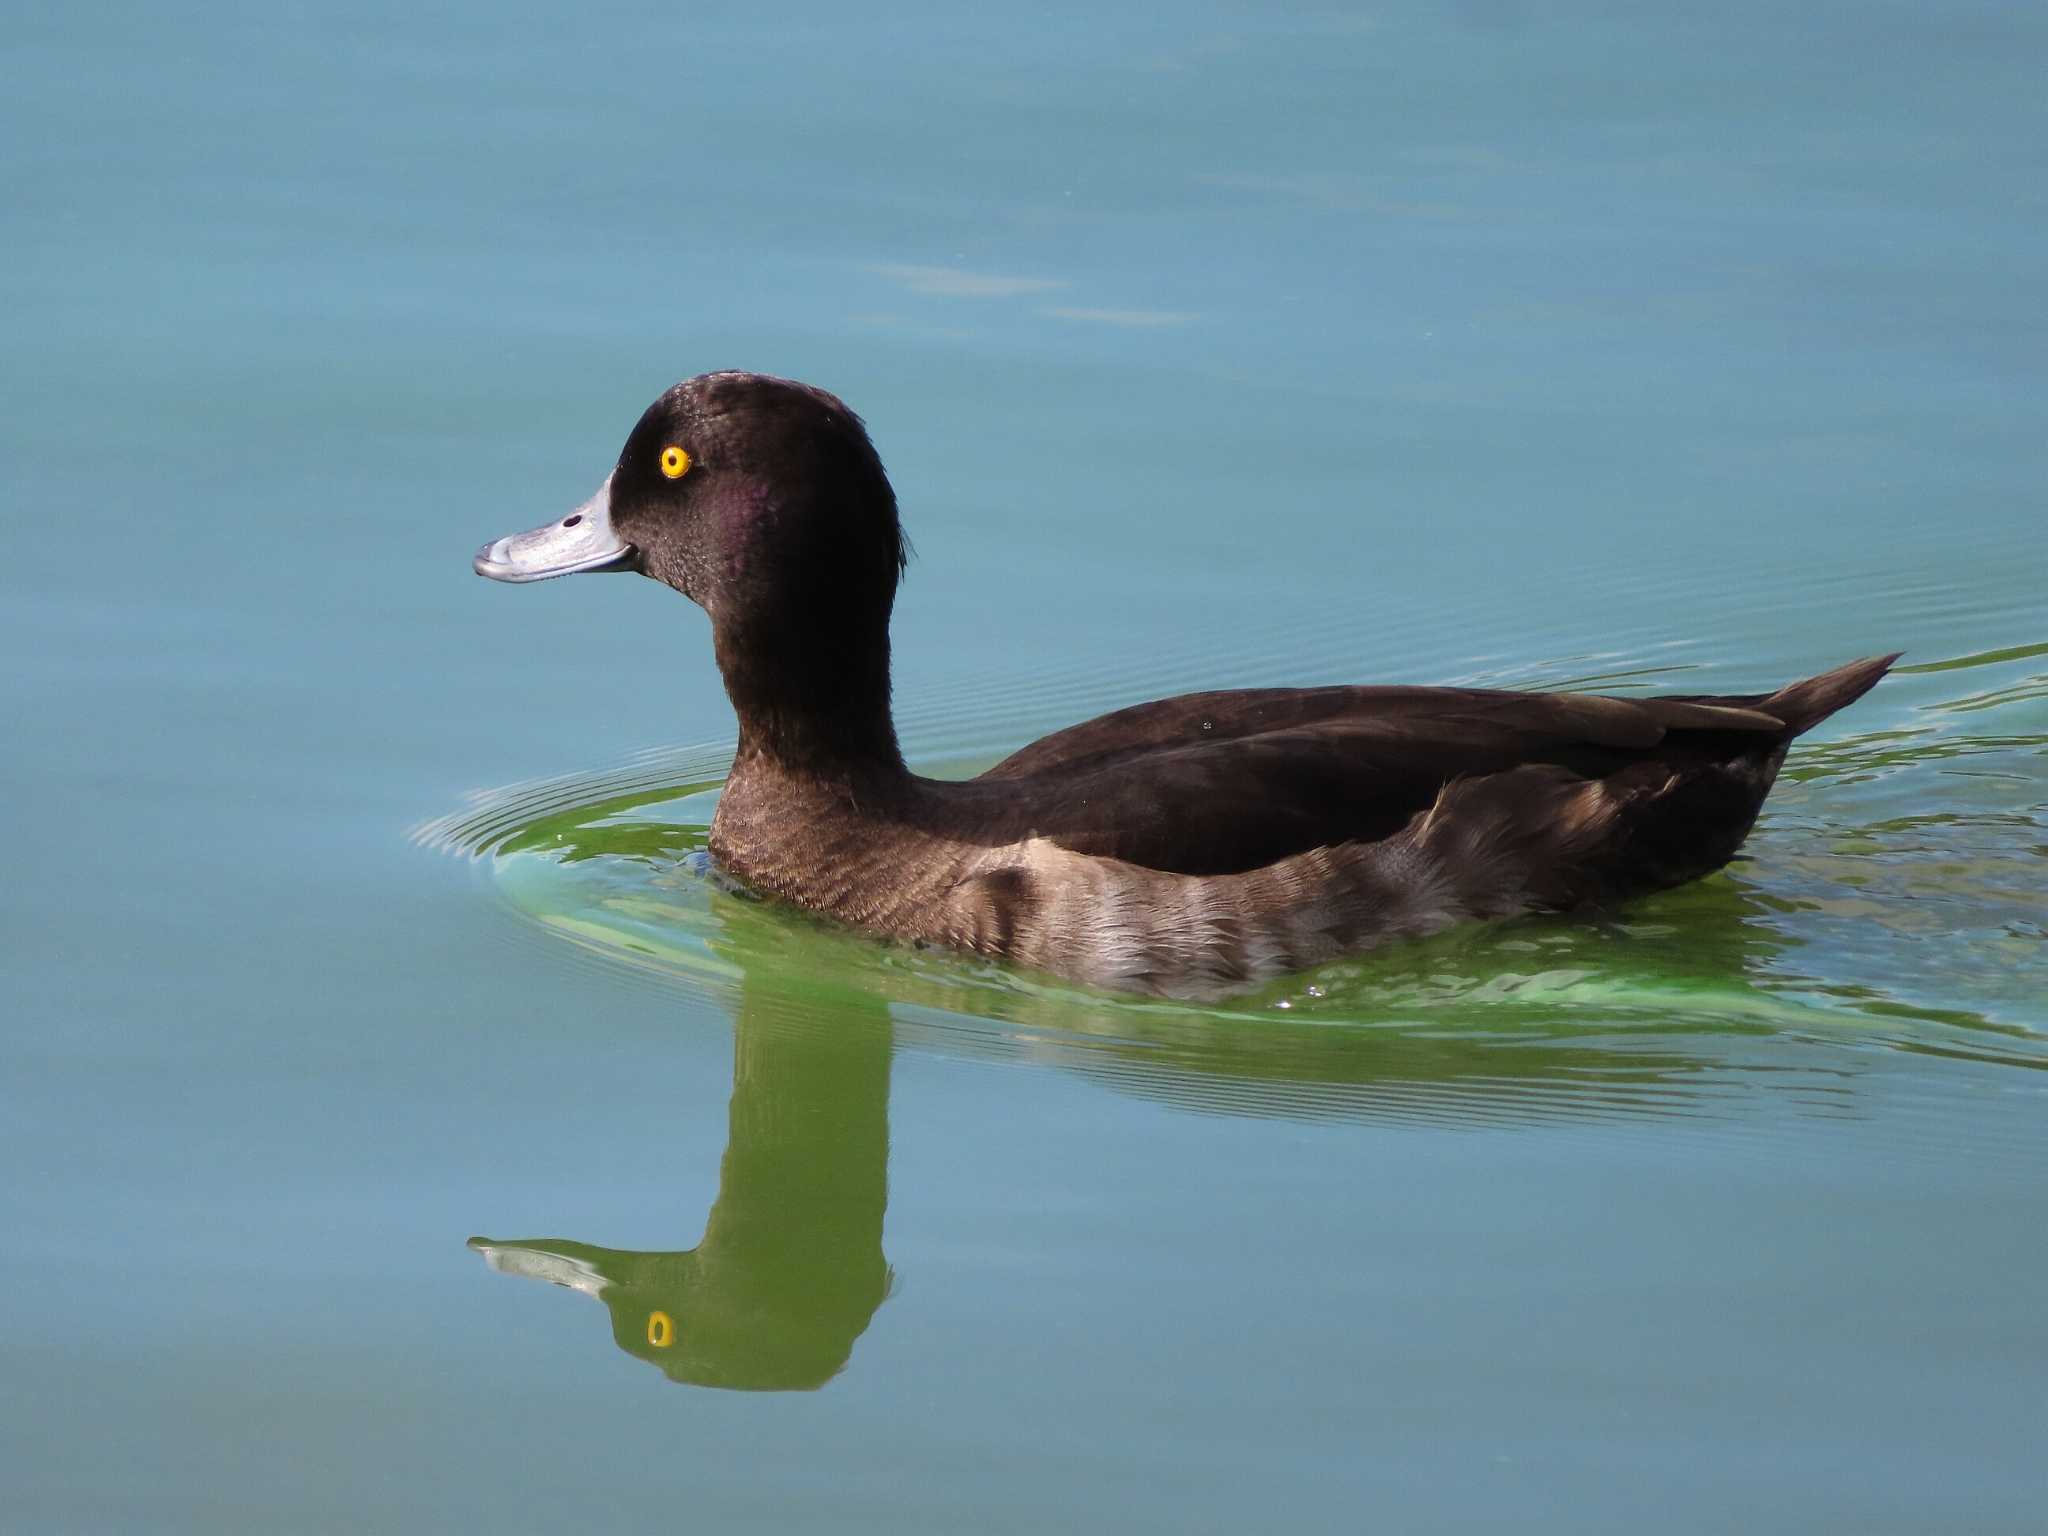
[{"x": 1803, "y": 705}]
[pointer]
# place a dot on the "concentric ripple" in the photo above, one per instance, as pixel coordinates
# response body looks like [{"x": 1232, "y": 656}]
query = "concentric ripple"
[{"x": 1885, "y": 933}]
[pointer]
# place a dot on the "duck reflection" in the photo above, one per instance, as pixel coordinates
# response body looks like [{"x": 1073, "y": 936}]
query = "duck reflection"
[
  {"x": 790, "y": 1268},
  {"x": 1674, "y": 1012}
]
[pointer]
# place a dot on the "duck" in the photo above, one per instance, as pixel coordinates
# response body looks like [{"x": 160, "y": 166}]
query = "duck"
[{"x": 1191, "y": 846}]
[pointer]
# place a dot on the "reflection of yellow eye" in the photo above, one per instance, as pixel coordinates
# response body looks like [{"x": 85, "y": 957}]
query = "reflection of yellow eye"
[
  {"x": 675, "y": 464},
  {"x": 661, "y": 1331}
]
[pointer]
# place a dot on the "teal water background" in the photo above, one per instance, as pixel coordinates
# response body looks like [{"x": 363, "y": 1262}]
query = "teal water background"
[{"x": 1527, "y": 346}]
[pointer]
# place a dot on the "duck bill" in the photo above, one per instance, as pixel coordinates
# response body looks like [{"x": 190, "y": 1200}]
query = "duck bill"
[
  {"x": 539, "y": 1261},
  {"x": 582, "y": 541}
]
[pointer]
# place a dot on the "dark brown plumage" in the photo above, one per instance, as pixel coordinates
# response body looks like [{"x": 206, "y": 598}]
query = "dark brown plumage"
[{"x": 1185, "y": 846}]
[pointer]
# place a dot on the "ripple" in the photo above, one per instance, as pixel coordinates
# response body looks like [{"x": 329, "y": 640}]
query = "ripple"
[{"x": 1889, "y": 912}]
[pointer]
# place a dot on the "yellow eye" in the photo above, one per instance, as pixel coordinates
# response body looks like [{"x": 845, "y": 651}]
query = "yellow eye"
[
  {"x": 660, "y": 1331},
  {"x": 674, "y": 462}
]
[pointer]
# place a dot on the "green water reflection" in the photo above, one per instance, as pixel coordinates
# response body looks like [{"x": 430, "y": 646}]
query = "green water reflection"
[
  {"x": 790, "y": 1268},
  {"x": 1862, "y": 933}
]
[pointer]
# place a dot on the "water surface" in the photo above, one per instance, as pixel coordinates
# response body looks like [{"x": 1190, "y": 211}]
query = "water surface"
[{"x": 365, "y": 971}]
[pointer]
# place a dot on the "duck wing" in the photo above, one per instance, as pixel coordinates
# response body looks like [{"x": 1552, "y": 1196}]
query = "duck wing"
[
  {"x": 1209, "y": 719},
  {"x": 1218, "y": 783},
  {"x": 1210, "y": 807}
]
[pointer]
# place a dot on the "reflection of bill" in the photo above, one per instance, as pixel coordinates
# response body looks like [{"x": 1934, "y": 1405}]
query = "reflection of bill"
[{"x": 790, "y": 1269}]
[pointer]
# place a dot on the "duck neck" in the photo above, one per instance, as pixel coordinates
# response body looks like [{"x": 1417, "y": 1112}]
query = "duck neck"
[{"x": 810, "y": 712}]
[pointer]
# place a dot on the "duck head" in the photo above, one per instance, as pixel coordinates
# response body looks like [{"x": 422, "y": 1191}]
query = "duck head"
[{"x": 762, "y": 501}]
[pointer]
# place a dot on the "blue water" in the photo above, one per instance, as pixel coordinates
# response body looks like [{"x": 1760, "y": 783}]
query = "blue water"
[{"x": 355, "y": 907}]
